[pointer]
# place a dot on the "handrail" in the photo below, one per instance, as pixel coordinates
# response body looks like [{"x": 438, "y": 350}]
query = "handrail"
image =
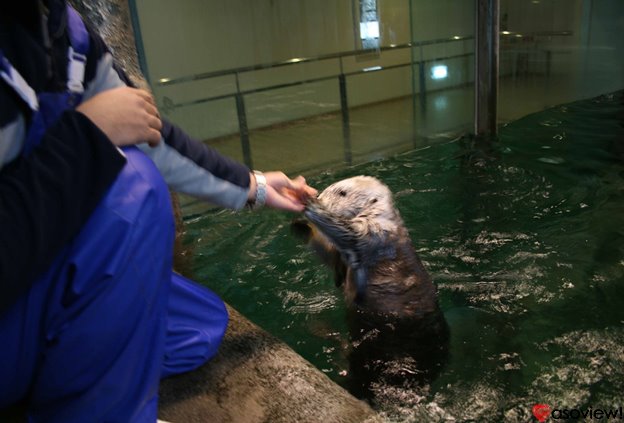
[
  {"x": 299, "y": 60},
  {"x": 239, "y": 95},
  {"x": 169, "y": 104}
]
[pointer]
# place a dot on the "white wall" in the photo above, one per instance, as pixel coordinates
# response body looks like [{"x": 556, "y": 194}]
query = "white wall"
[
  {"x": 193, "y": 36},
  {"x": 435, "y": 19},
  {"x": 190, "y": 37}
]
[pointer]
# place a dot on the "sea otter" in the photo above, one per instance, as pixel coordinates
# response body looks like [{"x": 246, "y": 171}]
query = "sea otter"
[{"x": 398, "y": 333}]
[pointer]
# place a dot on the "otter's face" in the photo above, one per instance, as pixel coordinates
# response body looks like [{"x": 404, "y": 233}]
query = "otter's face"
[
  {"x": 357, "y": 217},
  {"x": 363, "y": 196}
]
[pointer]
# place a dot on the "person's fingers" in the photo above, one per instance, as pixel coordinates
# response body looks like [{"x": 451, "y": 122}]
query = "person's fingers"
[
  {"x": 291, "y": 195},
  {"x": 300, "y": 185},
  {"x": 297, "y": 184},
  {"x": 152, "y": 110},
  {"x": 145, "y": 95},
  {"x": 126, "y": 115},
  {"x": 295, "y": 196},
  {"x": 154, "y": 122},
  {"x": 288, "y": 194},
  {"x": 153, "y": 137},
  {"x": 279, "y": 201}
]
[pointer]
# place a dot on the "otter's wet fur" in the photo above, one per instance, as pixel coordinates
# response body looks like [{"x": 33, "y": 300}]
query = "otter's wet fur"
[{"x": 398, "y": 334}]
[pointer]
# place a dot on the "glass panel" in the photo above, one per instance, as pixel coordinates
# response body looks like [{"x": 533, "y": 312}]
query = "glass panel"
[
  {"x": 443, "y": 71},
  {"x": 318, "y": 83},
  {"x": 558, "y": 51},
  {"x": 296, "y": 128}
]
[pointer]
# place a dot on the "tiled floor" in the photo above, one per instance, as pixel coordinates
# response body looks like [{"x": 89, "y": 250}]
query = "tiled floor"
[{"x": 312, "y": 145}]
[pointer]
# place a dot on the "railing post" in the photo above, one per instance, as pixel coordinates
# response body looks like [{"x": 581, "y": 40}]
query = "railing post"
[
  {"x": 422, "y": 79},
  {"x": 486, "y": 66},
  {"x": 344, "y": 107},
  {"x": 242, "y": 126}
]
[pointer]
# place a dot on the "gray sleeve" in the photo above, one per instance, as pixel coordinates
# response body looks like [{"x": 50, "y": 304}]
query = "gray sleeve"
[
  {"x": 181, "y": 173},
  {"x": 184, "y": 175}
]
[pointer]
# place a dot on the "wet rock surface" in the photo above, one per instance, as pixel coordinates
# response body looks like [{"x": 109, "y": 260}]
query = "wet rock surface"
[{"x": 257, "y": 378}]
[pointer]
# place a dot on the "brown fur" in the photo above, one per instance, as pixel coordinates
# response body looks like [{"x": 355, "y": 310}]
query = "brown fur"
[{"x": 394, "y": 318}]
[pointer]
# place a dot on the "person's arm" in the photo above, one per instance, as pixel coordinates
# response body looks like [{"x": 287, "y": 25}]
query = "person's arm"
[
  {"x": 194, "y": 168},
  {"x": 46, "y": 197}
]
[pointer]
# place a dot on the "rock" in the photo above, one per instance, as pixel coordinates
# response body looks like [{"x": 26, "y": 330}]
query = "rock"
[{"x": 257, "y": 378}]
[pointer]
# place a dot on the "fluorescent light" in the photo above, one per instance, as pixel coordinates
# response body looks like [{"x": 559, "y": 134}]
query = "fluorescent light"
[
  {"x": 506, "y": 32},
  {"x": 439, "y": 72},
  {"x": 163, "y": 80},
  {"x": 372, "y": 68}
]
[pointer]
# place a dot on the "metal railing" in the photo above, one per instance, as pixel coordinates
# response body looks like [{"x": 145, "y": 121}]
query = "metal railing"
[{"x": 342, "y": 75}]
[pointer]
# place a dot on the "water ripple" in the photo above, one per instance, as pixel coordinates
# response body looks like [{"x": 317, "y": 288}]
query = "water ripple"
[{"x": 296, "y": 303}]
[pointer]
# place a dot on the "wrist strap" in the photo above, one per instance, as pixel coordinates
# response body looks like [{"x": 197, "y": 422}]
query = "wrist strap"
[{"x": 261, "y": 190}]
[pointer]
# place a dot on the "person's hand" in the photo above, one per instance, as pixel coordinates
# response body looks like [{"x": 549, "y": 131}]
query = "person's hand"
[
  {"x": 126, "y": 115},
  {"x": 287, "y": 194},
  {"x": 284, "y": 193}
]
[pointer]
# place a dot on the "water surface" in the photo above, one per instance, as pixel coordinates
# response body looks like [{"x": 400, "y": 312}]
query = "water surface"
[{"x": 524, "y": 238}]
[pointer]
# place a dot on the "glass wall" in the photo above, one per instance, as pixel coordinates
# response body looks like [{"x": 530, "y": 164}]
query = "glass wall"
[
  {"x": 305, "y": 85},
  {"x": 558, "y": 51}
]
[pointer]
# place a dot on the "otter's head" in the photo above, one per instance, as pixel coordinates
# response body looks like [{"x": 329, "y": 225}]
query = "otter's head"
[
  {"x": 357, "y": 215},
  {"x": 360, "y": 196}
]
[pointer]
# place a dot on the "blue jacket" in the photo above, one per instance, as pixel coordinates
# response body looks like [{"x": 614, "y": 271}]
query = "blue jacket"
[{"x": 46, "y": 197}]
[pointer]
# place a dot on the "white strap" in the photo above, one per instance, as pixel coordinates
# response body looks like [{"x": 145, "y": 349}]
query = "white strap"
[
  {"x": 261, "y": 189},
  {"x": 75, "y": 71},
  {"x": 21, "y": 87}
]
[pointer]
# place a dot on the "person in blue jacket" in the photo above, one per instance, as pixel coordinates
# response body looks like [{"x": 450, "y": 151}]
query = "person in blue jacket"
[{"x": 91, "y": 314}]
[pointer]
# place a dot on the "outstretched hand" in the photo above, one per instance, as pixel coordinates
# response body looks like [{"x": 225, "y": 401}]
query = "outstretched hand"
[
  {"x": 284, "y": 193},
  {"x": 126, "y": 115}
]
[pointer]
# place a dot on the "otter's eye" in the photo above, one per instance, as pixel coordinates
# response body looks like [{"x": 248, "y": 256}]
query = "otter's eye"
[
  {"x": 373, "y": 201},
  {"x": 342, "y": 193}
]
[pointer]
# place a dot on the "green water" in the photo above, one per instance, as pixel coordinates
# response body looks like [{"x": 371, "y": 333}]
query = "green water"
[{"x": 524, "y": 239}]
